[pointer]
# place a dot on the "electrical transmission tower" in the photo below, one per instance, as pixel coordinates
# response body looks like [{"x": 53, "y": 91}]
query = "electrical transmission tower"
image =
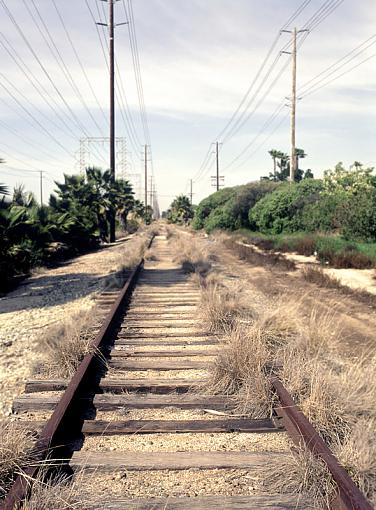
[{"x": 86, "y": 154}]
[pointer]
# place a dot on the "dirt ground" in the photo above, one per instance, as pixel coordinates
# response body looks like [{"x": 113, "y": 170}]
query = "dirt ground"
[
  {"x": 357, "y": 319},
  {"x": 49, "y": 296}
]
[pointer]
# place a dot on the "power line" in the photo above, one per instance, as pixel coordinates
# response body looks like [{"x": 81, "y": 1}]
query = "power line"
[
  {"x": 41, "y": 65},
  {"x": 88, "y": 81},
  {"x": 120, "y": 94},
  {"x": 339, "y": 76},
  {"x": 336, "y": 66},
  {"x": 38, "y": 86}
]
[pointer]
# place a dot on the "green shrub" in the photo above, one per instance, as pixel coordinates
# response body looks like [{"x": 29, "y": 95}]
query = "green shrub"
[
  {"x": 282, "y": 210},
  {"x": 212, "y": 202},
  {"x": 231, "y": 213},
  {"x": 357, "y": 216}
]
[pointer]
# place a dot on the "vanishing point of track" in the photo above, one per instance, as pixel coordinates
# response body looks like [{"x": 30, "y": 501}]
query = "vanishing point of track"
[{"x": 151, "y": 325}]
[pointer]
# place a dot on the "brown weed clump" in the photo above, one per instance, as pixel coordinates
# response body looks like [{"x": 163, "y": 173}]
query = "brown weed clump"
[
  {"x": 315, "y": 274},
  {"x": 193, "y": 256},
  {"x": 61, "y": 493},
  {"x": 303, "y": 474},
  {"x": 239, "y": 371},
  {"x": 257, "y": 258},
  {"x": 220, "y": 307},
  {"x": 15, "y": 446},
  {"x": 65, "y": 344},
  {"x": 357, "y": 453}
]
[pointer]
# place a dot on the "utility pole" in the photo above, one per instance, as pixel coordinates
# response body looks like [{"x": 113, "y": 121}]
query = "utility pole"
[
  {"x": 112, "y": 110},
  {"x": 217, "y": 159},
  {"x": 217, "y": 178},
  {"x": 146, "y": 175},
  {"x": 111, "y": 33},
  {"x": 293, "y": 109},
  {"x": 41, "y": 187},
  {"x": 293, "y": 159},
  {"x": 191, "y": 192}
]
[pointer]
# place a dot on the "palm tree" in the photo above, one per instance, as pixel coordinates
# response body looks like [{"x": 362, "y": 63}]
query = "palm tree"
[
  {"x": 299, "y": 154},
  {"x": 3, "y": 189},
  {"x": 274, "y": 154},
  {"x": 357, "y": 164}
]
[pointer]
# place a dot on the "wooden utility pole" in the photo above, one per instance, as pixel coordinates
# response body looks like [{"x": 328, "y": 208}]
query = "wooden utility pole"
[
  {"x": 293, "y": 159},
  {"x": 293, "y": 109},
  {"x": 217, "y": 159},
  {"x": 146, "y": 175},
  {"x": 191, "y": 192},
  {"x": 112, "y": 110}
]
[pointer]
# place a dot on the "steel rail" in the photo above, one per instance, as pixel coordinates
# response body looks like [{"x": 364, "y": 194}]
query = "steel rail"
[
  {"x": 86, "y": 376},
  {"x": 299, "y": 428}
]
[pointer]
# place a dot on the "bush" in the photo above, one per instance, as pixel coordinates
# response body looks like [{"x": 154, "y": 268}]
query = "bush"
[
  {"x": 231, "y": 214},
  {"x": 358, "y": 216},
  {"x": 282, "y": 210},
  {"x": 210, "y": 203}
]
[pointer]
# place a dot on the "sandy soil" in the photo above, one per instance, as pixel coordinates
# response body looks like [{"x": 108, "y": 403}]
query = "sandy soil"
[
  {"x": 185, "y": 442},
  {"x": 173, "y": 483},
  {"x": 44, "y": 299},
  {"x": 357, "y": 319}
]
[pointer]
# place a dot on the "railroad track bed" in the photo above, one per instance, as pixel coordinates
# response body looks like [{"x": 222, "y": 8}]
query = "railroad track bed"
[{"x": 152, "y": 438}]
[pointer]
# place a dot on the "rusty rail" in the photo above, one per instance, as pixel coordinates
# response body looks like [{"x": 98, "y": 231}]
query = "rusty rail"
[
  {"x": 300, "y": 429},
  {"x": 50, "y": 440}
]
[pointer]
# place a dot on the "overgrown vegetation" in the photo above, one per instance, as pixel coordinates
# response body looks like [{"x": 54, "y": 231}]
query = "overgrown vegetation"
[
  {"x": 304, "y": 350},
  {"x": 333, "y": 218},
  {"x": 180, "y": 211},
  {"x": 15, "y": 447},
  {"x": 76, "y": 219}
]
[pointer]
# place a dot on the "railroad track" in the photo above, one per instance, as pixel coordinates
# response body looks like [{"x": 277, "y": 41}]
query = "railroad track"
[{"x": 153, "y": 386}]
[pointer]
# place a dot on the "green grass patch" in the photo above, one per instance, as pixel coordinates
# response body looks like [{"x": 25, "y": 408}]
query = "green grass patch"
[{"x": 332, "y": 250}]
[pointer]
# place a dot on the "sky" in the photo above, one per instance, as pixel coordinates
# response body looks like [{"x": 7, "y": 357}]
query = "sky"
[{"x": 198, "y": 58}]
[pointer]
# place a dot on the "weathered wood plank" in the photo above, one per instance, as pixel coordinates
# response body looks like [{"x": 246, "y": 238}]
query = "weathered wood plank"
[
  {"x": 102, "y": 427},
  {"x": 141, "y": 461},
  {"x": 189, "y": 334},
  {"x": 159, "y": 401},
  {"x": 139, "y": 364},
  {"x": 129, "y": 325},
  {"x": 256, "y": 501},
  {"x": 163, "y": 354},
  {"x": 159, "y": 385},
  {"x": 34, "y": 403},
  {"x": 168, "y": 343}
]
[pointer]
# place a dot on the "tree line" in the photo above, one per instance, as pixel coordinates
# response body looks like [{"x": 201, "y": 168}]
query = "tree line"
[{"x": 75, "y": 220}]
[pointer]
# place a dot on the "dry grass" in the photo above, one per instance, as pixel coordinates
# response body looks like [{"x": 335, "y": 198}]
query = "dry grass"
[
  {"x": 15, "y": 446},
  {"x": 126, "y": 261},
  {"x": 303, "y": 474},
  {"x": 257, "y": 258},
  {"x": 62, "y": 493},
  {"x": 238, "y": 371},
  {"x": 336, "y": 396},
  {"x": 357, "y": 454},
  {"x": 317, "y": 275},
  {"x": 193, "y": 256},
  {"x": 64, "y": 345},
  {"x": 220, "y": 307}
]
